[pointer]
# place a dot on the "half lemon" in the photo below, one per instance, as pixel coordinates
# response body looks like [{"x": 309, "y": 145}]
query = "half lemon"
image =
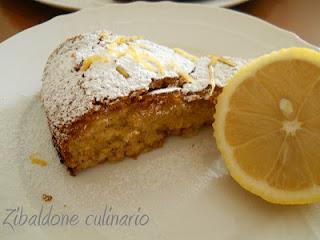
[{"x": 267, "y": 126}]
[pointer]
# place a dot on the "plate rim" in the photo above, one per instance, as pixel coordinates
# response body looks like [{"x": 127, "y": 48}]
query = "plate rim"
[
  {"x": 76, "y": 8},
  {"x": 58, "y": 20},
  {"x": 84, "y": 11}
]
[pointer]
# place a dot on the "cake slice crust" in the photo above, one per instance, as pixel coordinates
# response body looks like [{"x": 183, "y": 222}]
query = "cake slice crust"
[
  {"x": 133, "y": 128},
  {"x": 108, "y": 97}
]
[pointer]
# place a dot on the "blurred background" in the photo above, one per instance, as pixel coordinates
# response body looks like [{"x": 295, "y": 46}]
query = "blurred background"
[{"x": 299, "y": 16}]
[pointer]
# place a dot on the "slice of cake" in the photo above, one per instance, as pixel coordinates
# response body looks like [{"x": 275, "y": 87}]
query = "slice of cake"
[{"x": 108, "y": 97}]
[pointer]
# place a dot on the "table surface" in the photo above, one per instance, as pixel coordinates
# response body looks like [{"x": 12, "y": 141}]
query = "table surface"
[{"x": 299, "y": 16}]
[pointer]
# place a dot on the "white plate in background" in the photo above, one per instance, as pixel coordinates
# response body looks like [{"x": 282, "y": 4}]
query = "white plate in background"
[
  {"x": 80, "y": 4},
  {"x": 183, "y": 187}
]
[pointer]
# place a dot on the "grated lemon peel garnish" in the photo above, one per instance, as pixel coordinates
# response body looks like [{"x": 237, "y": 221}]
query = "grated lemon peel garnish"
[
  {"x": 149, "y": 67},
  {"x": 213, "y": 62},
  {"x": 149, "y": 62},
  {"x": 137, "y": 57},
  {"x": 122, "y": 71},
  {"x": 123, "y": 40},
  {"x": 185, "y": 54},
  {"x": 94, "y": 58},
  {"x": 155, "y": 62},
  {"x": 144, "y": 59},
  {"x": 134, "y": 38},
  {"x": 104, "y": 35},
  {"x": 120, "y": 40},
  {"x": 36, "y": 159},
  {"x": 222, "y": 60},
  {"x": 134, "y": 54},
  {"x": 143, "y": 46},
  {"x": 116, "y": 53},
  {"x": 211, "y": 77},
  {"x": 186, "y": 76}
]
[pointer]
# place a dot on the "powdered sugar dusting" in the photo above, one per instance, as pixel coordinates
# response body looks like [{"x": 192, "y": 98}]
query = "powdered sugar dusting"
[
  {"x": 120, "y": 185},
  {"x": 200, "y": 75},
  {"x": 186, "y": 179},
  {"x": 69, "y": 92},
  {"x": 223, "y": 72},
  {"x": 165, "y": 90}
]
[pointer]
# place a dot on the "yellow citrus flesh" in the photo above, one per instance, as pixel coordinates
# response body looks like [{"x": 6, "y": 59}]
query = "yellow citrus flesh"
[{"x": 267, "y": 126}]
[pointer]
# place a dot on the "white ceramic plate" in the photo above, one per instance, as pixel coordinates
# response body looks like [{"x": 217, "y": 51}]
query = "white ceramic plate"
[
  {"x": 80, "y": 4},
  {"x": 183, "y": 187}
]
